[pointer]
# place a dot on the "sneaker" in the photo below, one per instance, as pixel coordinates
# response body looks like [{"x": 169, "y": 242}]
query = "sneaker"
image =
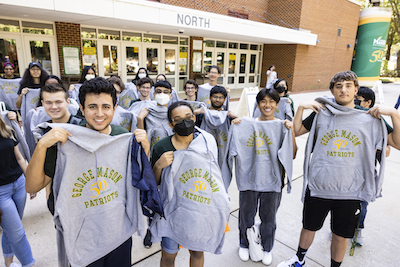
[
  {"x": 360, "y": 238},
  {"x": 13, "y": 264},
  {"x": 267, "y": 259},
  {"x": 244, "y": 254},
  {"x": 147, "y": 240},
  {"x": 293, "y": 262}
]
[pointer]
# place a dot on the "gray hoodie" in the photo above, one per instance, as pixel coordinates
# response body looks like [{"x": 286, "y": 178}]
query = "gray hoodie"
[
  {"x": 196, "y": 205},
  {"x": 125, "y": 98},
  {"x": 217, "y": 123},
  {"x": 124, "y": 118},
  {"x": 97, "y": 208},
  {"x": 157, "y": 125},
  {"x": 9, "y": 91},
  {"x": 203, "y": 95},
  {"x": 340, "y": 153},
  {"x": 282, "y": 112},
  {"x": 196, "y": 104},
  {"x": 74, "y": 94},
  {"x": 29, "y": 101},
  {"x": 136, "y": 107},
  {"x": 263, "y": 152},
  {"x": 22, "y": 146}
]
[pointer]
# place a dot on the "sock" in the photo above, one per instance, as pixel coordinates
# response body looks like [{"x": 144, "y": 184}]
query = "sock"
[
  {"x": 335, "y": 264},
  {"x": 301, "y": 253}
]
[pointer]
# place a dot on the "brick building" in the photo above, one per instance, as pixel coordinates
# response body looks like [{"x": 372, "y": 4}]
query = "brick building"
[{"x": 307, "y": 40}]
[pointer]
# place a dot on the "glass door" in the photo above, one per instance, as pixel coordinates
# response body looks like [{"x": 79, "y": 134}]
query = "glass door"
[
  {"x": 131, "y": 56},
  {"x": 243, "y": 68},
  {"x": 220, "y": 62},
  {"x": 11, "y": 51},
  {"x": 109, "y": 58},
  {"x": 232, "y": 67},
  {"x": 252, "y": 69},
  {"x": 170, "y": 68},
  {"x": 152, "y": 60},
  {"x": 43, "y": 50}
]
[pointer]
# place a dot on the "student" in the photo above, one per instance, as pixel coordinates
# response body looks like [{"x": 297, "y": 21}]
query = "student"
[
  {"x": 98, "y": 103},
  {"x": 268, "y": 144},
  {"x": 144, "y": 86},
  {"x": 174, "y": 98},
  {"x": 342, "y": 168},
  {"x": 87, "y": 74},
  {"x": 203, "y": 93},
  {"x": 188, "y": 149},
  {"x": 190, "y": 89},
  {"x": 9, "y": 71},
  {"x": 281, "y": 86},
  {"x": 216, "y": 120},
  {"x": 161, "y": 77},
  {"x": 12, "y": 200},
  {"x": 271, "y": 76},
  {"x": 34, "y": 78},
  {"x": 142, "y": 72}
]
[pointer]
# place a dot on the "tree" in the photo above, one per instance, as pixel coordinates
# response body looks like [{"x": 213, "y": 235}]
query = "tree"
[{"x": 394, "y": 28}]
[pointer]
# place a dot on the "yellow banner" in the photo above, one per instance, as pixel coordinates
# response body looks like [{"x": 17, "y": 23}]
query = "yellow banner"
[{"x": 89, "y": 50}]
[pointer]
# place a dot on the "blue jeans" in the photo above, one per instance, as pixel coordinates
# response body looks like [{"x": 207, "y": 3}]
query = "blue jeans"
[{"x": 12, "y": 204}]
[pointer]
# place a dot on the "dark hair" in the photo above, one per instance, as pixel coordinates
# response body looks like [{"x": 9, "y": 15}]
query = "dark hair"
[
  {"x": 84, "y": 72},
  {"x": 164, "y": 84},
  {"x": 269, "y": 68},
  {"x": 368, "y": 94},
  {"x": 214, "y": 67},
  {"x": 55, "y": 77},
  {"x": 144, "y": 80},
  {"x": 115, "y": 79},
  {"x": 27, "y": 79},
  {"x": 191, "y": 82},
  {"x": 53, "y": 88},
  {"x": 218, "y": 89},
  {"x": 175, "y": 105},
  {"x": 347, "y": 75},
  {"x": 276, "y": 85},
  {"x": 97, "y": 86},
  {"x": 271, "y": 93},
  {"x": 165, "y": 77},
  {"x": 137, "y": 74}
]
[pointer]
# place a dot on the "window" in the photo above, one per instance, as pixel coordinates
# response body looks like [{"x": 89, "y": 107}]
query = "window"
[
  {"x": 37, "y": 28},
  {"x": 238, "y": 14},
  {"x": 339, "y": 31},
  {"x": 233, "y": 45},
  {"x": 209, "y": 43},
  {"x": 9, "y": 25},
  {"x": 170, "y": 39},
  {"x": 132, "y": 36},
  {"x": 221, "y": 44},
  {"x": 151, "y": 38},
  {"x": 109, "y": 34},
  {"x": 88, "y": 33},
  {"x": 253, "y": 47}
]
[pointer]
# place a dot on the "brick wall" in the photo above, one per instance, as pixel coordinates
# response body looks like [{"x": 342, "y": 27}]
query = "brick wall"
[{"x": 68, "y": 34}]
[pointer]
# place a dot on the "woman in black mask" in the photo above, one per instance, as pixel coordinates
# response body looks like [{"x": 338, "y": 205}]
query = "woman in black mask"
[{"x": 281, "y": 86}]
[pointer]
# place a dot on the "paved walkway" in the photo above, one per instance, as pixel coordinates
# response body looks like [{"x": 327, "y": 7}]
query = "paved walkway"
[{"x": 382, "y": 234}]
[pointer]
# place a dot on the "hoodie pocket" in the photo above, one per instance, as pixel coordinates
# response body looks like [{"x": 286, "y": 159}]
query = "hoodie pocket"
[
  {"x": 262, "y": 173},
  {"x": 192, "y": 226},
  {"x": 336, "y": 178}
]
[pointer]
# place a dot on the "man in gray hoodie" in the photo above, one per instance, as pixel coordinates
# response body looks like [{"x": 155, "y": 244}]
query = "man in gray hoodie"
[
  {"x": 336, "y": 188},
  {"x": 98, "y": 103}
]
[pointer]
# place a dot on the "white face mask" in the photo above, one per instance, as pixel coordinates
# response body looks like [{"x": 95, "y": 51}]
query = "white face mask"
[
  {"x": 162, "y": 99},
  {"x": 141, "y": 75},
  {"x": 89, "y": 76}
]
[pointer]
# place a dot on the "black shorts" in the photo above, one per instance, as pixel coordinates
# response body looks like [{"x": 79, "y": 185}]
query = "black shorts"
[
  {"x": 344, "y": 214},
  {"x": 121, "y": 256}
]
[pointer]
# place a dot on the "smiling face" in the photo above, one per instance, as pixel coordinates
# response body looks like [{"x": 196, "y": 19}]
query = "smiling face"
[
  {"x": 213, "y": 75},
  {"x": 35, "y": 72},
  {"x": 344, "y": 93},
  {"x": 98, "y": 111},
  {"x": 217, "y": 100},
  {"x": 144, "y": 90},
  {"x": 9, "y": 71},
  {"x": 267, "y": 107},
  {"x": 56, "y": 106},
  {"x": 190, "y": 90}
]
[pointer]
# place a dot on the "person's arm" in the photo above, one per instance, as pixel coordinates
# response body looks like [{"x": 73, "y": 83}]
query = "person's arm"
[
  {"x": 20, "y": 159},
  {"x": 140, "y": 118},
  {"x": 12, "y": 115},
  {"x": 231, "y": 115},
  {"x": 71, "y": 87},
  {"x": 36, "y": 179},
  {"x": 394, "y": 137},
  {"x": 289, "y": 125},
  {"x": 198, "y": 111},
  {"x": 164, "y": 161},
  {"x": 141, "y": 137},
  {"x": 298, "y": 126},
  {"x": 19, "y": 99}
]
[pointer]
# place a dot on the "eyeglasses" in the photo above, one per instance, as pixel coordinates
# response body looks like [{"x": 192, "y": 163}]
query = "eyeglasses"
[
  {"x": 178, "y": 120},
  {"x": 145, "y": 87},
  {"x": 214, "y": 73},
  {"x": 160, "y": 92},
  {"x": 218, "y": 97},
  {"x": 190, "y": 88}
]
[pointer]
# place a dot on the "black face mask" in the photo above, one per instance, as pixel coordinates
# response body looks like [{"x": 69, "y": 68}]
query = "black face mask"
[
  {"x": 280, "y": 89},
  {"x": 185, "y": 128},
  {"x": 357, "y": 102}
]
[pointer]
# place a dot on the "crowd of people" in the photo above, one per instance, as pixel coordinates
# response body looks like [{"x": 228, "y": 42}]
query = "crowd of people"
[{"x": 118, "y": 158}]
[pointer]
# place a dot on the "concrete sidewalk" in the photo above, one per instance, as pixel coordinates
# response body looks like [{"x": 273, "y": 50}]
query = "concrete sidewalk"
[{"x": 381, "y": 242}]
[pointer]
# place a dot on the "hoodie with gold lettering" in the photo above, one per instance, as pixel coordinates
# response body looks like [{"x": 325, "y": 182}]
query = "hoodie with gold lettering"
[
  {"x": 196, "y": 205},
  {"x": 340, "y": 153},
  {"x": 262, "y": 151},
  {"x": 96, "y": 207}
]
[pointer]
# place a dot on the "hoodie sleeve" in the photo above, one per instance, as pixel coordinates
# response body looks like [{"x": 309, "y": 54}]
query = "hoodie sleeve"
[
  {"x": 230, "y": 153},
  {"x": 379, "y": 177},
  {"x": 285, "y": 153}
]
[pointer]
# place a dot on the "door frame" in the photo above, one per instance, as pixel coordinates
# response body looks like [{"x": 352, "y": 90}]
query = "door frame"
[{"x": 100, "y": 52}]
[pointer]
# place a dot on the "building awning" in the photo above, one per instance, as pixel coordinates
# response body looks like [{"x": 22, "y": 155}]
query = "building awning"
[{"x": 139, "y": 15}]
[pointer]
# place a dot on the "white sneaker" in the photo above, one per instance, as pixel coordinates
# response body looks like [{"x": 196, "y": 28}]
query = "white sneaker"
[
  {"x": 267, "y": 259},
  {"x": 360, "y": 238},
  {"x": 244, "y": 254},
  {"x": 14, "y": 264},
  {"x": 293, "y": 262}
]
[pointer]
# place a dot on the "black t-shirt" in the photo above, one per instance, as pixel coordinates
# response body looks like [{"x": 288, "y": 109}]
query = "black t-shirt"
[
  {"x": 10, "y": 170},
  {"x": 307, "y": 122},
  {"x": 134, "y": 101},
  {"x": 33, "y": 86},
  {"x": 162, "y": 146}
]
